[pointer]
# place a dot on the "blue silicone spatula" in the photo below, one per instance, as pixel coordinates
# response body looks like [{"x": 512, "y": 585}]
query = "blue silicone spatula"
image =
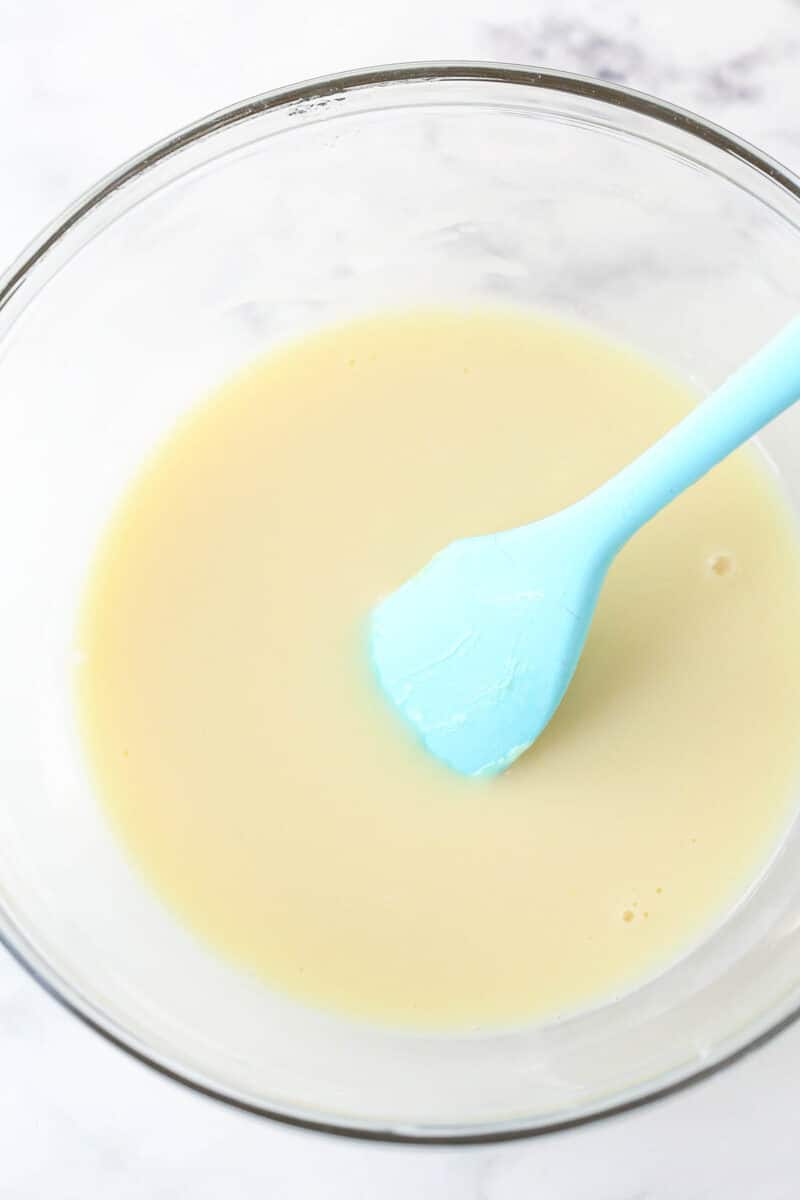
[{"x": 477, "y": 650}]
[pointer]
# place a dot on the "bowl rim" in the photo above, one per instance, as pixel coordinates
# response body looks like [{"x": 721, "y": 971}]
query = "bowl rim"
[{"x": 313, "y": 90}]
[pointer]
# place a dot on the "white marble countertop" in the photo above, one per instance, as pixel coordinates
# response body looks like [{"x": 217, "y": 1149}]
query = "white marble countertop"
[{"x": 82, "y": 86}]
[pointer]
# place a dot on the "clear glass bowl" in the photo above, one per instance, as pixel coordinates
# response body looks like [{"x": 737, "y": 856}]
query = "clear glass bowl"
[{"x": 421, "y": 183}]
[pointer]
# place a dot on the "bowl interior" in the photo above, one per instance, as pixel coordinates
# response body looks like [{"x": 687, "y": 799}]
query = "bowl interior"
[{"x": 452, "y": 185}]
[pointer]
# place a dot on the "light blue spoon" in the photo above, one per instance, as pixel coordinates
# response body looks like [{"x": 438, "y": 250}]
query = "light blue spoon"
[{"x": 477, "y": 650}]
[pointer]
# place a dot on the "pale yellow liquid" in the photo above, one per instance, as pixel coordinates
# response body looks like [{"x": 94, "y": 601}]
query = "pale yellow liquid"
[{"x": 276, "y": 804}]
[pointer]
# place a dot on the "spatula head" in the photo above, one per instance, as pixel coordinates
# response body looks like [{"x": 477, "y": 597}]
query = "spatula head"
[{"x": 476, "y": 651}]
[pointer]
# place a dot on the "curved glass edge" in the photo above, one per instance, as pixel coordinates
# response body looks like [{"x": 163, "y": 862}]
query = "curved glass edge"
[{"x": 323, "y": 88}]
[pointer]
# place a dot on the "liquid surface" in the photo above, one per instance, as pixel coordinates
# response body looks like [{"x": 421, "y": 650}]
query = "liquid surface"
[{"x": 265, "y": 790}]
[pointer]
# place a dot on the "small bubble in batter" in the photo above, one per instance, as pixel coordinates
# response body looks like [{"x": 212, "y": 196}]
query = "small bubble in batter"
[{"x": 722, "y": 564}]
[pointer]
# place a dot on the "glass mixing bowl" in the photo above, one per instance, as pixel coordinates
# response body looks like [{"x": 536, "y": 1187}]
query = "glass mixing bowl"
[{"x": 424, "y": 183}]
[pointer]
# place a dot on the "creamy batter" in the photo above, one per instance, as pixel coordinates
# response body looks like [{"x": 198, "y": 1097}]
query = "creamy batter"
[{"x": 244, "y": 755}]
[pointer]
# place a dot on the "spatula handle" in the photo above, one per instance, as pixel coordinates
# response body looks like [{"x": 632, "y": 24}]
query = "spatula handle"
[{"x": 761, "y": 389}]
